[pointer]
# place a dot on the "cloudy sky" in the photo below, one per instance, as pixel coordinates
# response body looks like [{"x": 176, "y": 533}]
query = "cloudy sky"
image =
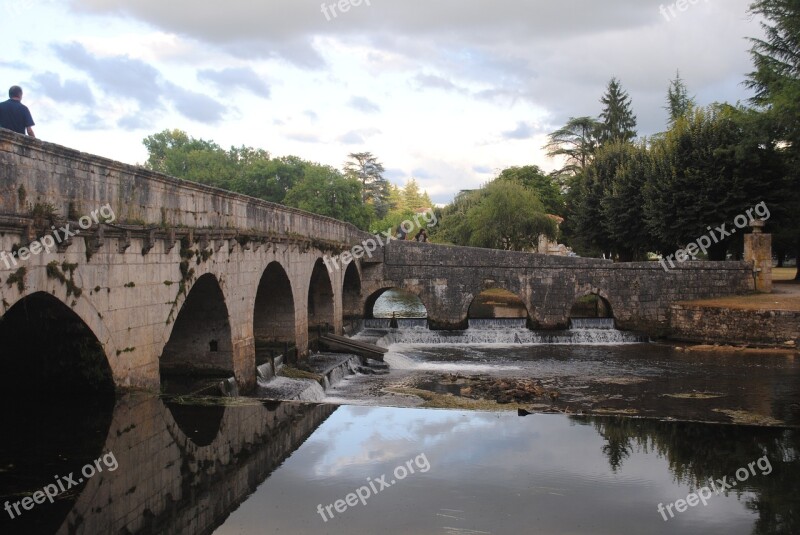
[{"x": 445, "y": 91}]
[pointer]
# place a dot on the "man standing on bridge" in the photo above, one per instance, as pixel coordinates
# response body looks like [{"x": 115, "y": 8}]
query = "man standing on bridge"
[{"x": 14, "y": 115}]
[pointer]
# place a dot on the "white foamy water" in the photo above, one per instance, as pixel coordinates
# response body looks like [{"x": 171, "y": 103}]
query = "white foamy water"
[
  {"x": 398, "y": 361},
  {"x": 509, "y": 337}
]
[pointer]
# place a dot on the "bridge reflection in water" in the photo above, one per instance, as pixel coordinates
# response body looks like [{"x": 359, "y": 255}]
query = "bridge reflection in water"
[
  {"x": 181, "y": 468},
  {"x": 199, "y": 469}
]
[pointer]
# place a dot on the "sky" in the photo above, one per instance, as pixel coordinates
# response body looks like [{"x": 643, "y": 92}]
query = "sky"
[{"x": 448, "y": 92}]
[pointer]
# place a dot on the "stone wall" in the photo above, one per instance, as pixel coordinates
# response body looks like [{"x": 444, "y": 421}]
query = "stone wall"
[{"x": 711, "y": 325}]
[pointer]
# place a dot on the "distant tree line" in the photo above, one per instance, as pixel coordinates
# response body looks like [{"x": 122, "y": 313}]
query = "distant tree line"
[{"x": 358, "y": 194}]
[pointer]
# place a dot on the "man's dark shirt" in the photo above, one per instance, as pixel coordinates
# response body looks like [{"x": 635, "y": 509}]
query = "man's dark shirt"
[{"x": 15, "y": 116}]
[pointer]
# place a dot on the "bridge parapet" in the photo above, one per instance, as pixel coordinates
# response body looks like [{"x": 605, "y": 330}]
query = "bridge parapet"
[{"x": 35, "y": 172}]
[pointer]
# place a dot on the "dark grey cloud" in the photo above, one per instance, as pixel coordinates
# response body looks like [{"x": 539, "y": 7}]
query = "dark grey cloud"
[
  {"x": 122, "y": 76},
  {"x": 135, "y": 121},
  {"x": 119, "y": 75},
  {"x": 358, "y": 137},
  {"x": 364, "y": 104},
  {"x": 432, "y": 81},
  {"x": 421, "y": 173},
  {"x": 68, "y": 91},
  {"x": 555, "y": 55},
  {"x": 236, "y": 78},
  {"x": 15, "y": 64},
  {"x": 522, "y": 131},
  {"x": 91, "y": 121}
]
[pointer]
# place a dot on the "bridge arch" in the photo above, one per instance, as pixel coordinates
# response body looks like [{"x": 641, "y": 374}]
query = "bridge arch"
[
  {"x": 497, "y": 302},
  {"x": 321, "y": 299},
  {"x": 351, "y": 292},
  {"x": 274, "y": 321},
  {"x": 200, "y": 342},
  {"x": 412, "y": 302},
  {"x": 591, "y": 303},
  {"x": 49, "y": 348}
]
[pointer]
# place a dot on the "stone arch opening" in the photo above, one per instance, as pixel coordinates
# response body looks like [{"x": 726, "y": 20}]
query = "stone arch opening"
[
  {"x": 200, "y": 344},
  {"x": 387, "y": 302},
  {"x": 48, "y": 349},
  {"x": 497, "y": 303},
  {"x": 320, "y": 297},
  {"x": 591, "y": 305},
  {"x": 351, "y": 292},
  {"x": 273, "y": 315}
]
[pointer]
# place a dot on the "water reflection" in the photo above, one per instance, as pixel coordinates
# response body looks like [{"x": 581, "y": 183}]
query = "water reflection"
[
  {"x": 175, "y": 474},
  {"x": 265, "y": 468}
]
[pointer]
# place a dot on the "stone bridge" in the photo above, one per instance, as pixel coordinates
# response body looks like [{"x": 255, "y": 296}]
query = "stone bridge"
[{"x": 168, "y": 275}]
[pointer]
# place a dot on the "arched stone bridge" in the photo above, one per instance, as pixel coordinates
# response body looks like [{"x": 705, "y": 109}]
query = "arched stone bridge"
[{"x": 189, "y": 276}]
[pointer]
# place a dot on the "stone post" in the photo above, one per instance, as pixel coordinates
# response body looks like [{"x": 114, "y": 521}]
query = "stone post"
[{"x": 758, "y": 250}]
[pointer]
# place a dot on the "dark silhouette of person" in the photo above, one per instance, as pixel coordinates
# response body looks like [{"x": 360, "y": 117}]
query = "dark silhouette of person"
[
  {"x": 422, "y": 235},
  {"x": 401, "y": 232},
  {"x": 15, "y": 115}
]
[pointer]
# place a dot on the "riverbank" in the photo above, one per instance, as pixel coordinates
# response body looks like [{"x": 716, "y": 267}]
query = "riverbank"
[{"x": 760, "y": 320}]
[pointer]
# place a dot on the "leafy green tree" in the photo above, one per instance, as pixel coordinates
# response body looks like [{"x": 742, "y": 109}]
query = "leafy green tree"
[
  {"x": 365, "y": 167},
  {"x": 776, "y": 81},
  {"x": 679, "y": 103},
  {"x": 618, "y": 123},
  {"x": 325, "y": 191},
  {"x": 545, "y": 187},
  {"x": 177, "y": 154},
  {"x": 510, "y": 217}
]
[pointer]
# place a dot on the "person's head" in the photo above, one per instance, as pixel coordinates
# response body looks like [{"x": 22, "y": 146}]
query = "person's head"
[{"x": 15, "y": 91}]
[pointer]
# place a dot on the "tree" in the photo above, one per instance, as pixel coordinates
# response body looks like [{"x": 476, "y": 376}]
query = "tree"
[
  {"x": 576, "y": 142},
  {"x": 679, "y": 103},
  {"x": 325, "y": 191},
  {"x": 776, "y": 82},
  {"x": 177, "y": 154},
  {"x": 366, "y": 168},
  {"x": 618, "y": 123},
  {"x": 622, "y": 205},
  {"x": 709, "y": 168},
  {"x": 544, "y": 186},
  {"x": 508, "y": 216}
]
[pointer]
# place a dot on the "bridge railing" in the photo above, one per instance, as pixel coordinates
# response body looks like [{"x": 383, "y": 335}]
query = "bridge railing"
[{"x": 73, "y": 184}]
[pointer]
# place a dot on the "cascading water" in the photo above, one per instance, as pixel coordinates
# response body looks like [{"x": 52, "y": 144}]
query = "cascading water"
[
  {"x": 498, "y": 323},
  {"x": 402, "y": 323},
  {"x": 592, "y": 323}
]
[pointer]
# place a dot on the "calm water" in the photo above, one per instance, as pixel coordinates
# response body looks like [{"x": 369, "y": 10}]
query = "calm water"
[{"x": 256, "y": 468}]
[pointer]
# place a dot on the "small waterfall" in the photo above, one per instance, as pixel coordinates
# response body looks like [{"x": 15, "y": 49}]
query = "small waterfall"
[
  {"x": 592, "y": 323},
  {"x": 402, "y": 323},
  {"x": 498, "y": 323},
  {"x": 512, "y": 337}
]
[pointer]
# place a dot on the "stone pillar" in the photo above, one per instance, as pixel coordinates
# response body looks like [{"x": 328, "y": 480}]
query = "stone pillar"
[{"x": 758, "y": 250}]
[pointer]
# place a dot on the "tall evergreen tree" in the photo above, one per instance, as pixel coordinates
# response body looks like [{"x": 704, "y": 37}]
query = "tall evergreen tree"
[
  {"x": 618, "y": 123},
  {"x": 575, "y": 142},
  {"x": 679, "y": 103},
  {"x": 366, "y": 168}
]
